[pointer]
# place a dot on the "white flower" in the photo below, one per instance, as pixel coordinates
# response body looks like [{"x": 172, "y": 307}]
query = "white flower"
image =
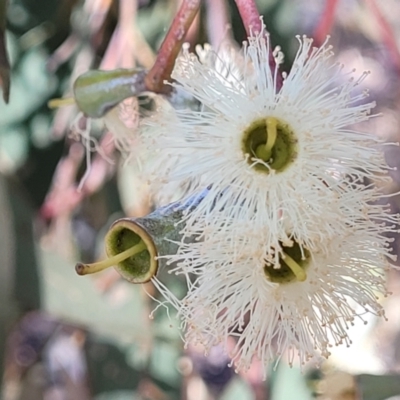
[
  {"x": 282, "y": 161},
  {"x": 282, "y": 309},
  {"x": 291, "y": 249}
]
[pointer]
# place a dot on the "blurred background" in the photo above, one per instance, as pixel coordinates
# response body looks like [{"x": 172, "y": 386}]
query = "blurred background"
[{"x": 65, "y": 337}]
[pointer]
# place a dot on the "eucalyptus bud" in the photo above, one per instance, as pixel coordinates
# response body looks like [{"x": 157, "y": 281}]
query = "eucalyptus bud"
[{"x": 96, "y": 92}]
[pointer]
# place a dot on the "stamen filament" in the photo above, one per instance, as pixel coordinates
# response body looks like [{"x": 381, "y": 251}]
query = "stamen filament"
[
  {"x": 84, "y": 269},
  {"x": 56, "y": 103},
  {"x": 299, "y": 272}
]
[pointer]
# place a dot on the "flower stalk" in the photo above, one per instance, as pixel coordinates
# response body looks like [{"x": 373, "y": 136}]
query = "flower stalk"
[
  {"x": 171, "y": 47},
  {"x": 253, "y": 24},
  {"x": 325, "y": 24},
  {"x": 250, "y": 16}
]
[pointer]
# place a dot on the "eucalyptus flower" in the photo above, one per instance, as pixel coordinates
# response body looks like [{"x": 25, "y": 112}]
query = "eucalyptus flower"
[
  {"x": 296, "y": 307},
  {"x": 280, "y": 159}
]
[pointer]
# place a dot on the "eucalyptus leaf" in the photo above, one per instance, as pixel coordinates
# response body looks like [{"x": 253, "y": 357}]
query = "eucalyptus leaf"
[
  {"x": 163, "y": 365},
  {"x": 238, "y": 390},
  {"x": 108, "y": 367},
  {"x": 298, "y": 389},
  {"x": 378, "y": 387},
  {"x": 32, "y": 86},
  {"x": 78, "y": 300},
  {"x": 8, "y": 305},
  {"x": 118, "y": 395}
]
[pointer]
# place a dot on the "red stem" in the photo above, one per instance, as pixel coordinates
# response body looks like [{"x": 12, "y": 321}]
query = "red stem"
[
  {"x": 250, "y": 16},
  {"x": 218, "y": 22},
  {"x": 326, "y": 22},
  {"x": 387, "y": 32},
  {"x": 253, "y": 25},
  {"x": 171, "y": 46}
]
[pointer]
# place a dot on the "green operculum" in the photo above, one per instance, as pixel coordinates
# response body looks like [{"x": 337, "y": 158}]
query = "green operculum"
[
  {"x": 293, "y": 263},
  {"x": 269, "y": 144}
]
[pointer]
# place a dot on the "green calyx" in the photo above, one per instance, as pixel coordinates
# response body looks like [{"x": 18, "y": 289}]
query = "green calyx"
[
  {"x": 130, "y": 249},
  {"x": 293, "y": 264},
  {"x": 141, "y": 265},
  {"x": 271, "y": 142},
  {"x": 136, "y": 247}
]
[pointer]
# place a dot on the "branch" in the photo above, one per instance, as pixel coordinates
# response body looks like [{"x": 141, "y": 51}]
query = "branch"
[
  {"x": 254, "y": 25},
  {"x": 217, "y": 22},
  {"x": 170, "y": 47},
  {"x": 389, "y": 37},
  {"x": 326, "y": 22},
  {"x": 250, "y": 16}
]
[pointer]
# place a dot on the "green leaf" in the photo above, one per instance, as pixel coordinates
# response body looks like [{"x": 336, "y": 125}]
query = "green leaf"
[
  {"x": 119, "y": 395},
  {"x": 8, "y": 306},
  {"x": 238, "y": 390},
  {"x": 164, "y": 358},
  {"x": 97, "y": 92},
  {"x": 378, "y": 387},
  {"x": 32, "y": 86},
  {"x": 297, "y": 389},
  {"x": 108, "y": 367},
  {"x": 71, "y": 297}
]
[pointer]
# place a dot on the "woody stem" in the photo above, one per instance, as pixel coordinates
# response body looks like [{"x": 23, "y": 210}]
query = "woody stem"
[
  {"x": 171, "y": 46},
  {"x": 253, "y": 24}
]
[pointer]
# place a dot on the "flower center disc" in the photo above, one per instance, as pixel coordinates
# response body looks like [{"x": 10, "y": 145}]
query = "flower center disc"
[
  {"x": 271, "y": 145},
  {"x": 292, "y": 267}
]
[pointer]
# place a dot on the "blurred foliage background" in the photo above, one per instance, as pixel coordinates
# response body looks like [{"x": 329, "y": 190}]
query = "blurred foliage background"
[{"x": 68, "y": 337}]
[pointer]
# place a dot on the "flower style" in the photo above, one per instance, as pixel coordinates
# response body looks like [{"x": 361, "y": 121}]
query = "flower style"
[
  {"x": 283, "y": 160},
  {"x": 298, "y": 307}
]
